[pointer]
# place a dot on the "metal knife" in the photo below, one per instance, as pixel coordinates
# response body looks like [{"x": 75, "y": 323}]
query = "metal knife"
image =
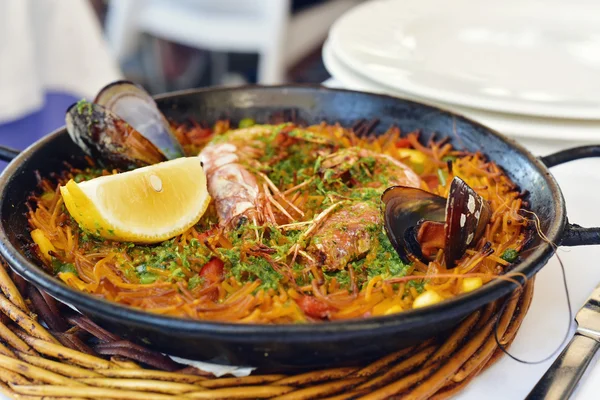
[{"x": 561, "y": 380}]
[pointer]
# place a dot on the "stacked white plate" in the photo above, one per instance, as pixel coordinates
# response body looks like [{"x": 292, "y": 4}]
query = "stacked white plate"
[{"x": 526, "y": 68}]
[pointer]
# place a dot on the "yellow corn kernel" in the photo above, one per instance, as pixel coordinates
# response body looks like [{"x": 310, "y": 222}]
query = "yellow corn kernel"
[
  {"x": 393, "y": 309},
  {"x": 427, "y": 298},
  {"x": 470, "y": 284},
  {"x": 43, "y": 243},
  {"x": 48, "y": 196},
  {"x": 415, "y": 156},
  {"x": 382, "y": 307},
  {"x": 72, "y": 280}
]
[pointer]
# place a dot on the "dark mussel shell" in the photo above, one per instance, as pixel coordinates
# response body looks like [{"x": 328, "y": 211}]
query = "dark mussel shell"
[
  {"x": 405, "y": 209},
  {"x": 109, "y": 139},
  {"x": 467, "y": 215},
  {"x": 418, "y": 223},
  {"x": 134, "y": 105}
]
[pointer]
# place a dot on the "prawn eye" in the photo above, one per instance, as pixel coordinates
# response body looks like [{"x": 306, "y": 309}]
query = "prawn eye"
[{"x": 241, "y": 221}]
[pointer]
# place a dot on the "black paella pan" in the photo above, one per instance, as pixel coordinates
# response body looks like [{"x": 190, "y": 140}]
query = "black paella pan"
[{"x": 287, "y": 346}]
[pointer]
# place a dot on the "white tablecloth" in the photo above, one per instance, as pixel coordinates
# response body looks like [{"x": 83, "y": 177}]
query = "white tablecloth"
[{"x": 547, "y": 320}]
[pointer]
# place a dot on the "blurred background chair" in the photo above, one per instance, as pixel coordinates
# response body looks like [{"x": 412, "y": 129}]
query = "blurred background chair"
[
  {"x": 265, "y": 27},
  {"x": 52, "y": 53}
]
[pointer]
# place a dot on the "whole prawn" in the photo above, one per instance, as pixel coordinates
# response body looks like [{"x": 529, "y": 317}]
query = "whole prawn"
[
  {"x": 234, "y": 189},
  {"x": 347, "y": 233},
  {"x": 227, "y": 159}
]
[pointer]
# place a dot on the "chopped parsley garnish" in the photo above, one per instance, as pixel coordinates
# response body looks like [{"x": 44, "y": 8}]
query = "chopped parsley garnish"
[
  {"x": 61, "y": 267},
  {"x": 342, "y": 277},
  {"x": 84, "y": 106},
  {"x": 147, "y": 277},
  {"x": 246, "y": 123},
  {"x": 383, "y": 259},
  {"x": 256, "y": 268},
  {"x": 194, "y": 282},
  {"x": 510, "y": 255},
  {"x": 419, "y": 285}
]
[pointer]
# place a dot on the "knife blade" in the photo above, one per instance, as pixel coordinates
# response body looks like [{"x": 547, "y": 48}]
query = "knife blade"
[{"x": 561, "y": 380}]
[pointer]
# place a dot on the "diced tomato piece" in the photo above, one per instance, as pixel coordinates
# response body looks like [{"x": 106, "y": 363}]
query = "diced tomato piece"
[
  {"x": 403, "y": 143},
  {"x": 197, "y": 134},
  {"x": 313, "y": 307},
  {"x": 201, "y": 237},
  {"x": 213, "y": 270},
  {"x": 211, "y": 292},
  {"x": 432, "y": 180}
]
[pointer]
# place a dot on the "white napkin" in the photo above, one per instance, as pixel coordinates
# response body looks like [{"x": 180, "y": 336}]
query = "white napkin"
[
  {"x": 50, "y": 45},
  {"x": 217, "y": 369}
]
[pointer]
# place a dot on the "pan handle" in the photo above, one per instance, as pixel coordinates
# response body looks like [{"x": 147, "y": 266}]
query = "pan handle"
[
  {"x": 575, "y": 235},
  {"x": 8, "y": 153},
  {"x": 567, "y": 155}
]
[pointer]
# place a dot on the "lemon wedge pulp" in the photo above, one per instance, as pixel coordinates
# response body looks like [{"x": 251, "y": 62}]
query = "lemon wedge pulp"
[{"x": 146, "y": 205}]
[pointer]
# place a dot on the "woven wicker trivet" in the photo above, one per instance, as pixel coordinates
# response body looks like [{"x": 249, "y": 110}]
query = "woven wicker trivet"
[{"x": 77, "y": 359}]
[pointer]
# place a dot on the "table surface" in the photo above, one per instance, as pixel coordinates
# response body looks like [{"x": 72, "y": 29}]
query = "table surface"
[{"x": 547, "y": 321}]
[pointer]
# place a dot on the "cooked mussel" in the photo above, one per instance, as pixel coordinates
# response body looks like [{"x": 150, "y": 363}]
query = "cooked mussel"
[
  {"x": 109, "y": 139},
  {"x": 122, "y": 128},
  {"x": 419, "y": 223},
  {"x": 406, "y": 209},
  {"x": 134, "y": 105},
  {"x": 467, "y": 215}
]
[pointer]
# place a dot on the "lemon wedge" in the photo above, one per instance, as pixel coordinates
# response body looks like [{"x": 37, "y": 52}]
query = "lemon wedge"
[{"x": 147, "y": 205}]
